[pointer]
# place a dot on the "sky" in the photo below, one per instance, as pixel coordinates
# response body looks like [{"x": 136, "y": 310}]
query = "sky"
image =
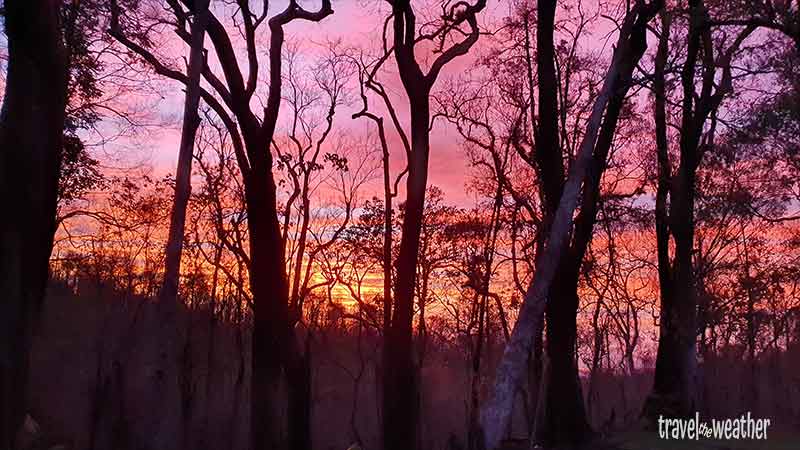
[{"x": 357, "y": 24}]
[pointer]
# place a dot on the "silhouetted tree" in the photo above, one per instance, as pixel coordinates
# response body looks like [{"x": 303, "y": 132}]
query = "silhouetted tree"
[
  {"x": 585, "y": 171},
  {"x": 673, "y": 389},
  {"x": 400, "y": 375},
  {"x": 31, "y": 139},
  {"x": 168, "y": 344},
  {"x": 274, "y": 347}
]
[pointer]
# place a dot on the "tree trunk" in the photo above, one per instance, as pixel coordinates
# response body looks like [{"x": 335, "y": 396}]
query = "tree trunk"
[
  {"x": 400, "y": 384},
  {"x": 565, "y": 422},
  {"x": 183, "y": 187},
  {"x": 166, "y": 346},
  {"x": 630, "y": 46},
  {"x": 474, "y": 438},
  {"x": 388, "y": 233},
  {"x": 31, "y": 127},
  {"x": 271, "y": 332},
  {"x": 597, "y": 345},
  {"x": 549, "y": 160},
  {"x": 673, "y": 386},
  {"x": 566, "y": 419},
  {"x": 535, "y": 376},
  {"x": 662, "y": 192},
  {"x": 673, "y": 394},
  {"x": 400, "y": 387},
  {"x": 298, "y": 376}
]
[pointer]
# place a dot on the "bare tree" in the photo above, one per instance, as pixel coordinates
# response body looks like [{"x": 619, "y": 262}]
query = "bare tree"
[
  {"x": 368, "y": 83},
  {"x": 168, "y": 341},
  {"x": 400, "y": 384},
  {"x": 631, "y": 45},
  {"x": 561, "y": 416},
  {"x": 673, "y": 389},
  {"x": 274, "y": 347}
]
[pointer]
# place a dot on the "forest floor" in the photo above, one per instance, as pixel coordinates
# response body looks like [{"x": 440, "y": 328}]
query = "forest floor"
[{"x": 642, "y": 440}]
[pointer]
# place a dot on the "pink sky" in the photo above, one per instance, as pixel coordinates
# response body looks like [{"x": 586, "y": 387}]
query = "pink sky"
[{"x": 357, "y": 24}]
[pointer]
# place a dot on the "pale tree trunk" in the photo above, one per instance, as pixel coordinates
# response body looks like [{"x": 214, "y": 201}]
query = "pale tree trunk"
[
  {"x": 565, "y": 418},
  {"x": 165, "y": 346},
  {"x": 31, "y": 127},
  {"x": 496, "y": 413}
]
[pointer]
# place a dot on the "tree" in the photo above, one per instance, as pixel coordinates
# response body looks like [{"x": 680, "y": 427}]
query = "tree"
[
  {"x": 541, "y": 144},
  {"x": 562, "y": 410},
  {"x": 673, "y": 388},
  {"x": 273, "y": 343},
  {"x": 31, "y": 126},
  {"x": 585, "y": 171},
  {"x": 168, "y": 343},
  {"x": 309, "y": 164},
  {"x": 80, "y": 173},
  {"x": 744, "y": 201},
  {"x": 399, "y": 381}
]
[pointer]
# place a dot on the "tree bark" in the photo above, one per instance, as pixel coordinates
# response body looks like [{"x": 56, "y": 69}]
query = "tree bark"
[
  {"x": 167, "y": 343},
  {"x": 400, "y": 399},
  {"x": 400, "y": 383},
  {"x": 31, "y": 127},
  {"x": 271, "y": 332},
  {"x": 676, "y": 360},
  {"x": 673, "y": 391},
  {"x": 630, "y": 46}
]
